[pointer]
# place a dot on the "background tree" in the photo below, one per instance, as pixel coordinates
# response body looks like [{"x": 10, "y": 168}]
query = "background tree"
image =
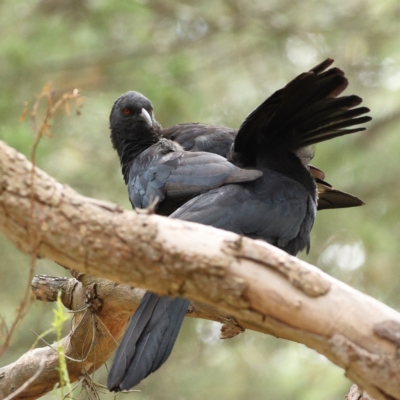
[{"x": 212, "y": 62}]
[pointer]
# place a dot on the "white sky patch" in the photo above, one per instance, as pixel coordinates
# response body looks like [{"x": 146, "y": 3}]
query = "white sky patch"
[
  {"x": 300, "y": 52},
  {"x": 390, "y": 74},
  {"x": 208, "y": 332},
  {"x": 347, "y": 257}
]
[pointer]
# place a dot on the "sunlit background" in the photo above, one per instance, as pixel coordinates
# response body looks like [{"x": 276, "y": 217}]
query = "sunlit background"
[{"x": 211, "y": 62}]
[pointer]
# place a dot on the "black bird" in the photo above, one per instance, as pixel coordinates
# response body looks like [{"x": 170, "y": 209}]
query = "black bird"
[
  {"x": 158, "y": 171},
  {"x": 278, "y": 206}
]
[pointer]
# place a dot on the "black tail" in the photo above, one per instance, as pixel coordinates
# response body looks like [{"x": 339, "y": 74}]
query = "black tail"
[
  {"x": 329, "y": 197},
  {"x": 304, "y": 112},
  {"x": 148, "y": 341}
]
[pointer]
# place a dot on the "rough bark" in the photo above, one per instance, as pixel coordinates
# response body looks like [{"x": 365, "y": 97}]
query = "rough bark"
[
  {"x": 355, "y": 393},
  {"x": 261, "y": 287}
]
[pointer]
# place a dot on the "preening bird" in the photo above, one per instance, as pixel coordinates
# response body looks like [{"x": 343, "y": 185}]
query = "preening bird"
[
  {"x": 157, "y": 170},
  {"x": 266, "y": 190}
]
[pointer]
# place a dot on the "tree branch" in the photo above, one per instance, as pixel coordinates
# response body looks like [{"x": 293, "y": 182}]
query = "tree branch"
[
  {"x": 262, "y": 287},
  {"x": 103, "y": 309},
  {"x": 93, "y": 336}
]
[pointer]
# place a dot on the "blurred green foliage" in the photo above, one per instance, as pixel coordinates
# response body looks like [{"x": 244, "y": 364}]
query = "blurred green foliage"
[{"x": 212, "y": 62}]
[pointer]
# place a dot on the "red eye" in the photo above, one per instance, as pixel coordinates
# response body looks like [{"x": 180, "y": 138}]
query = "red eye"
[{"x": 127, "y": 111}]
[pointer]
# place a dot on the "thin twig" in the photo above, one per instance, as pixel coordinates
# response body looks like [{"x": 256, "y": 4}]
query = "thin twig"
[
  {"x": 72, "y": 389},
  {"x": 47, "y": 93},
  {"x": 55, "y": 350},
  {"x": 123, "y": 391},
  {"x": 23, "y": 305},
  {"x": 80, "y": 310},
  {"x": 107, "y": 330}
]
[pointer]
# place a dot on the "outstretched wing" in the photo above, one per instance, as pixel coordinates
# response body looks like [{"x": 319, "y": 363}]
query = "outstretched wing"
[{"x": 306, "y": 111}]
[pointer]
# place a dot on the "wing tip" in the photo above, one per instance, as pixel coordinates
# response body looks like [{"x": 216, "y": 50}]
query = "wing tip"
[{"x": 322, "y": 66}]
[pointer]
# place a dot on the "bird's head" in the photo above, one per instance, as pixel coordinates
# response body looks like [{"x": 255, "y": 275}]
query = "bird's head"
[{"x": 132, "y": 119}]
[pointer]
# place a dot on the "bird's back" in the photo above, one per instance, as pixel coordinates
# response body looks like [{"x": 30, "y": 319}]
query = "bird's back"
[{"x": 274, "y": 208}]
